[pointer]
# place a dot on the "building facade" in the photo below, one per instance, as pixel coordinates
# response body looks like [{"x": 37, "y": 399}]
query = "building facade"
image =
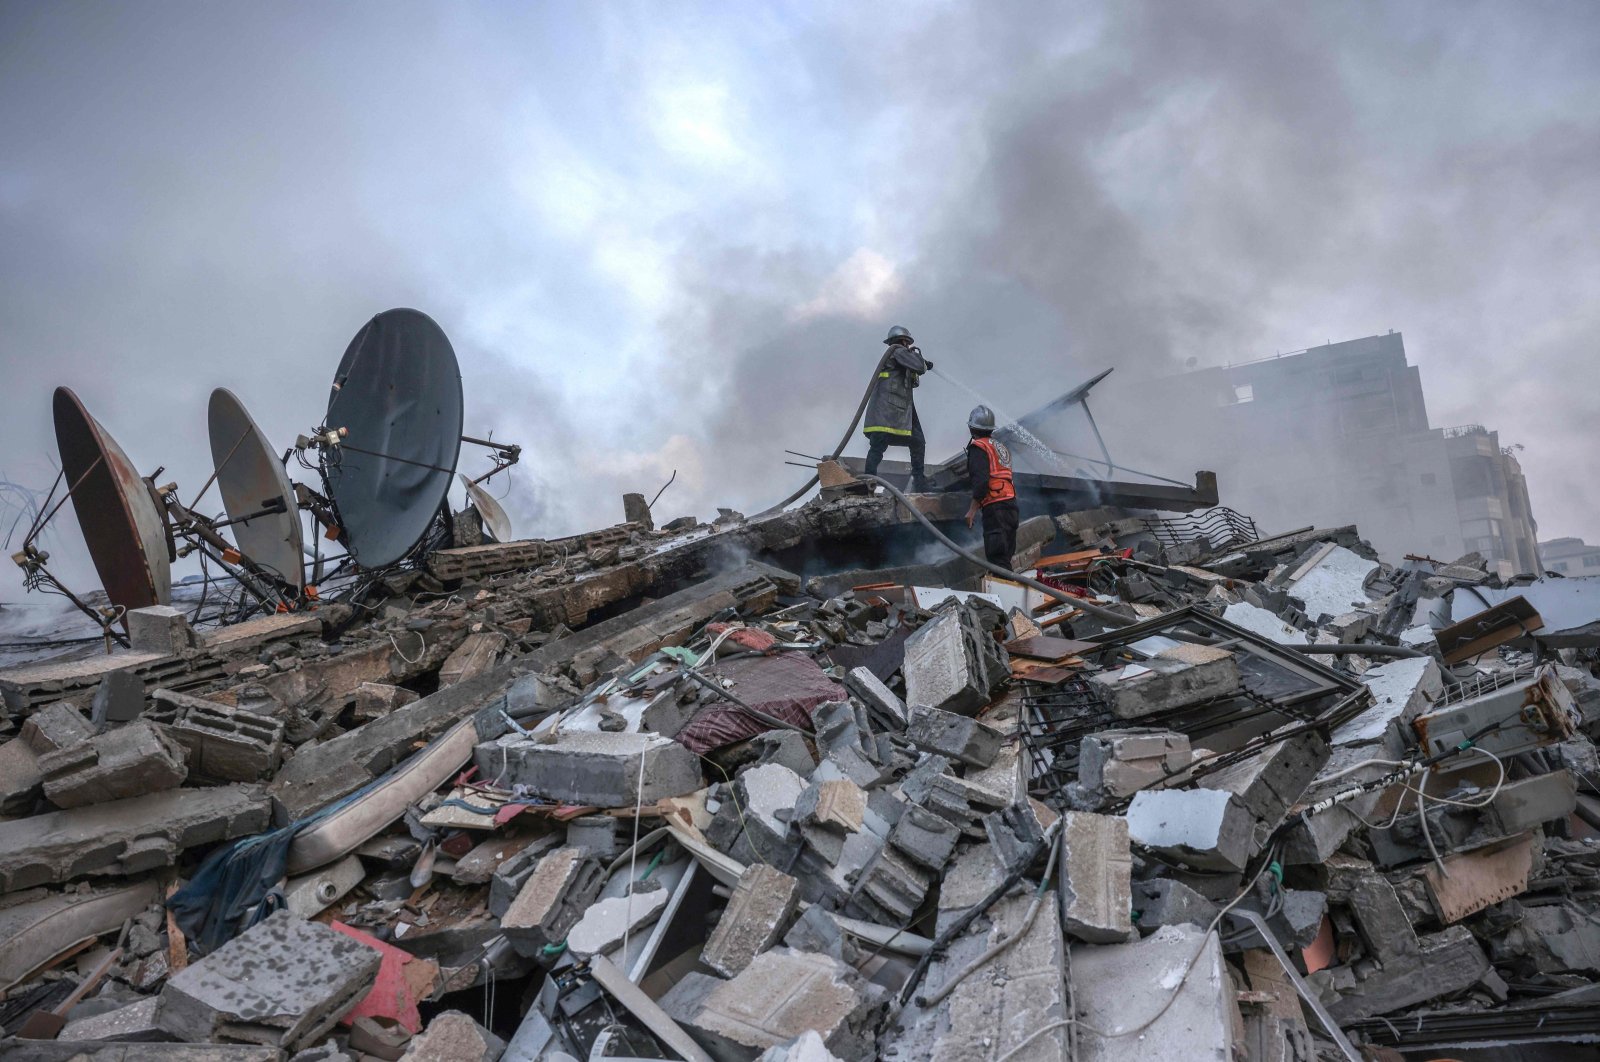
[
  {"x": 1339, "y": 434},
  {"x": 1570, "y": 556}
]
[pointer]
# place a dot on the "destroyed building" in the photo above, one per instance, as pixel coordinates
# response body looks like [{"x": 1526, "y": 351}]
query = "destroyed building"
[
  {"x": 817, "y": 784},
  {"x": 1351, "y": 441}
]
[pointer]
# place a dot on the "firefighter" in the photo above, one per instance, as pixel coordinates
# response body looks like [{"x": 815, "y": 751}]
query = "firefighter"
[
  {"x": 993, "y": 493},
  {"x": 892, "y": 411}
]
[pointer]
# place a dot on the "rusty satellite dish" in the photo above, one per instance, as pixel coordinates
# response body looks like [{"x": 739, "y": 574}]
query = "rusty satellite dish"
[
  {"x": 397, "y": 400},
  {"x": 255, "y": 491},
  {"x": 494, "y": 516},
  {"x": 121, "y": 524}
]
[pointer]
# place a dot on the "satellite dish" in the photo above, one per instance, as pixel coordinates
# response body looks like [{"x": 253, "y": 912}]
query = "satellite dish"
[
  {"x": 251, "y": 480},
  {"x": 121, "y": 524},
  {"x": 494, "y": 517},
  {"x": 397, "y": 394}
]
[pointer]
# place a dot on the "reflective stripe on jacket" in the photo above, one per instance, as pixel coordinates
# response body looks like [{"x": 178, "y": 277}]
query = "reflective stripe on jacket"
[{"x": 1000, "y": 487}]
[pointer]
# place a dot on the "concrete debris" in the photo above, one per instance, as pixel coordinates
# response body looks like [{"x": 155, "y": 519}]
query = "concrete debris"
[
  {"x": 640, "y": 793},
  {"x": 282, "y": 983}
]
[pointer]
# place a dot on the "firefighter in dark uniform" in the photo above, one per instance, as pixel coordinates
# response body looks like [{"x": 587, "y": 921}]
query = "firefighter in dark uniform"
[
  {"x": 993, "y": 493},
  {"x": 892, "y": 411}
]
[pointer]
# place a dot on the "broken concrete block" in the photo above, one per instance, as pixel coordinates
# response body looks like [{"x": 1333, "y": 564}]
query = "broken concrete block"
[
  {"x": 1119, "y": 763},
  {"x": 1443, "y": 963},
  {"x": 1272, "y": 781},
  {"x": 552, "y": 900},
  {"x": 758, "y": 810},
  {"x": 953, "y": 736},
  {"x": 222, "y": 743},
  {"x": 1173, "y": 678},
  {"x": 1094, "y": 882},
  {"x": 924, "y": 838},
  {"x": 598, "y": 833},
  {"x": 948, "y": 665},
  {"x": 786, "y": 747},
  {"x": 890, "y": 888},
  {"x": 118, "y": 699},
  {"x": 598, "y": 768},
  {"x": 1204, "y": 828},
  {"x": 282, "y": 983},
  {"x": 472, "y": 657},
  {"x": 1119, "y": 986},
  {"x": 817, "y": 930},
  {"x": 454, "y": 1036},
  {"x": 130, "y": 761},
  {"x": 837, "y": 804},
  {"x": 756, "y": 916},
  {"x": 607, "y": 923},
  {"x": 879, "y": 699},
  {"x": 807, "y": 1047},
  {"x": 513, "y": 873},
  {"x": 132, "y": 1023},
  {"x": 781, "y": 995},
  {"x": 1014, "y": 833},
  {"x": 1166, "y": 902},
  {"x": 55, "y": 726},
  {"x": 160, "y": 629},
  {"x": 373, "y": 700}
]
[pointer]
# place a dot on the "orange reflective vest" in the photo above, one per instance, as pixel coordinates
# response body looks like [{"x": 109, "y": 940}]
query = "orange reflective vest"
[{"x": 1000, "y": 486}]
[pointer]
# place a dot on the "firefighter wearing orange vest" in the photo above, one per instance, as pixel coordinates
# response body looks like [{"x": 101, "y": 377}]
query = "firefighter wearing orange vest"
[{"x": 993, "y": 493}]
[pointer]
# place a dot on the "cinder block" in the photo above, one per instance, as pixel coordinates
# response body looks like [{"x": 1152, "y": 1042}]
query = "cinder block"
[
  {"x": 160, "y": 629},
  {"x": 1094, "y": 884},
  {"x": 756, "y": 916},
  {"x": 133, "y": 760},
  {"x": 1119, "y": 763},
  {"x": 955, "y": 736}
]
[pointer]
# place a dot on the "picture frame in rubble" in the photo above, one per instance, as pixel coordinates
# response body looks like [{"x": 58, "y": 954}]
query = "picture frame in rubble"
[
  {"x": 1281, "y": 688},
  {"x": 396, "y": 410}
]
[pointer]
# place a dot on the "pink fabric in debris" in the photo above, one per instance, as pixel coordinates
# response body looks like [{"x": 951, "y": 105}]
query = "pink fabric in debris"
[
  {"x": 751, "y": 638},
  {"x": 789, "y": 686}
]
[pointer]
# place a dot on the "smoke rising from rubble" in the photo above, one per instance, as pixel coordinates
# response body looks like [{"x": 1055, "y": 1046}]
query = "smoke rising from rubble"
[{"x": 679, "y": 249}]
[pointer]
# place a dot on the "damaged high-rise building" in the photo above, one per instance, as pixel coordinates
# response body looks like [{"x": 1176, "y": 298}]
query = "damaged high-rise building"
[{"x": 1340, "y": 434}]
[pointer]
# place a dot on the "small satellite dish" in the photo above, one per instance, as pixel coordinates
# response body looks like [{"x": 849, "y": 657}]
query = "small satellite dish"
[
  {"x": 121, "y": 524},
  {"x": 397, "y": 394},
  {"x": 494, "y": 517},
  {"x": 255, "y": 491}
]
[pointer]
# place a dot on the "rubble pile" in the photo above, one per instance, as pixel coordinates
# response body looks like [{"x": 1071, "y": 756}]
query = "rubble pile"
[{"x": 780, "y": 788}]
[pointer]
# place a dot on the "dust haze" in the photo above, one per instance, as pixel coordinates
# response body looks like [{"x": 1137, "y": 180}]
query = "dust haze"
[{"x": 672, "y": 238}]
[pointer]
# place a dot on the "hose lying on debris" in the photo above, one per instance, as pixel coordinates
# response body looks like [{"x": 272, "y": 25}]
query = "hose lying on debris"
[
  {"x": 1346, "y": 648},
  {"x": 1099, "y": 612}
]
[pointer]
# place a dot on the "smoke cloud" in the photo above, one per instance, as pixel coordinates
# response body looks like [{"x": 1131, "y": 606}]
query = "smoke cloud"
[{"x": 672, "y": 239}]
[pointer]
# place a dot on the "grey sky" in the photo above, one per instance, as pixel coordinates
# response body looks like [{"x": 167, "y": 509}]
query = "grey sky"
[{"x": 671, "y": 236}]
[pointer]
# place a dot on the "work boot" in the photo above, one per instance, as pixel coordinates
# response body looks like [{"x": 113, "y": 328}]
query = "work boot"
[{"x": 919, "y": 485}]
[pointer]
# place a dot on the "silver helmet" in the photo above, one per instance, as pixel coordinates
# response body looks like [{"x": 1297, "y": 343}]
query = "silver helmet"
[
  {"x": 898, "y": 334},
  {"x": 981, "y": 419}
]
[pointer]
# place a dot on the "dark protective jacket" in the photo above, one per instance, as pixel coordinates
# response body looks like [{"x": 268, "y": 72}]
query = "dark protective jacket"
[
  {"x": 890, "y": 407},
  {"x": 989, "y": 468}
]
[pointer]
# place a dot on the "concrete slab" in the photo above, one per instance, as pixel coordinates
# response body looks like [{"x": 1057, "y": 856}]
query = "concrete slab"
[
  {"x": 1121, "y": 986},
  {"x": 1094, "y": 881},
  {"x": 756, "y": 916},
  {"x": 125, "y": 836},
  {"x": 552, "y": 899},
  {"x": 781, "y": 995},
  {"x": 1174, "y": 678},
  {"x": 1204, "y": 828},
  {"x": 134, "y": 1023},
  {"x": 607, "y": 922},
  {"x": 608, "y": 770},
  {"x": 282, "y": 983}
]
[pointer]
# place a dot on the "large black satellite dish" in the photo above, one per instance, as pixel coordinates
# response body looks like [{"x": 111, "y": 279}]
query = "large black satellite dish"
[
  {"x": 255, "y": 491},
  {"x": 397, "y": 396},
  {"x": 121, "y": 523}
]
